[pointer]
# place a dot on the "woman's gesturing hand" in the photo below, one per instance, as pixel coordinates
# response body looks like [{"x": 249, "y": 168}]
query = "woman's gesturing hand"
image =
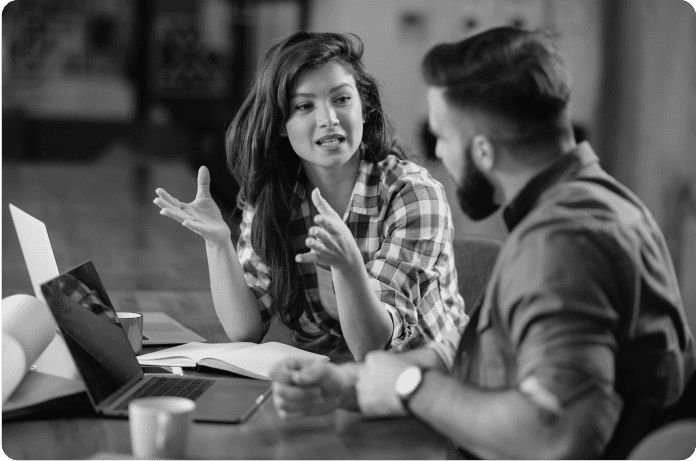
[
  {"x": 330, "y": 241},
  {"x": 201, "y": 216}
]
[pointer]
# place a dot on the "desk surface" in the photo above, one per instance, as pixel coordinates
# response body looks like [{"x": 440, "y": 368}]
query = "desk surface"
[{"x": 339, "y": 435}]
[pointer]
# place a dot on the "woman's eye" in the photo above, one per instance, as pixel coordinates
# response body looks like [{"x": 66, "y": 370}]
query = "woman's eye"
[
  {"x": 304, "y": 106},
  {"x": 343, "y": 99}
]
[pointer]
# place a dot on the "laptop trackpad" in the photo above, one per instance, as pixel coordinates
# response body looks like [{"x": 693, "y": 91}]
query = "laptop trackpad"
[{"x": 231, "y": 400}]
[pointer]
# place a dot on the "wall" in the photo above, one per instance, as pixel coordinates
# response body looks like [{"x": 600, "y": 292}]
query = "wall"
[
  {"x": 398, "y": 33},
  {"x": 648, "y": 119}
]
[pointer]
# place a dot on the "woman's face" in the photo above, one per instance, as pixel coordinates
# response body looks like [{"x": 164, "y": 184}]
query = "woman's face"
[{"x": 325, "y": 125}]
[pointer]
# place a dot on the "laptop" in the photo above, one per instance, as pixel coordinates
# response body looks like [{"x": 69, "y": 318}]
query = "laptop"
[
  {"x": 111, "y": 372},
  {"x": 159, "y": 329}
]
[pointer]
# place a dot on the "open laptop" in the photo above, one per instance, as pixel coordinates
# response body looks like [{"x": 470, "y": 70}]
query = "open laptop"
[
  {"x": 158, "y": 328},
  {"x": 111, "y": 372}
]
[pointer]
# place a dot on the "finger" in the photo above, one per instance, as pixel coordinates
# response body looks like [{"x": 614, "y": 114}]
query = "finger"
[
  {"x": 316, "y": 245},
  {"x": 174, "y": 213},
  {"x": 322, "y": 205},
  {"x": 299, "y": 407},
  {"x": 168, "y": 198},
  {"x": 203, "y": 183},
  {"x": 293, "y": 396},
  {"x": 301, "y": 403},
  {"x": 311, "y": 374},
  {"x": 327, "y": 224},
  {"x": 309, "y": 257},
  {"x": 320, "y": 234},
  {"x": 291, "y": 415},
  {"x": 282, "y": 371},
  {"x": 162, "y": 203}
]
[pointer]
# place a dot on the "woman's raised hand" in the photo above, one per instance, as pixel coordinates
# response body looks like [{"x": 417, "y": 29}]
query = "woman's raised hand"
[
  {"x": 330, "y": 241},
  {"x": 201, "y": 216}
]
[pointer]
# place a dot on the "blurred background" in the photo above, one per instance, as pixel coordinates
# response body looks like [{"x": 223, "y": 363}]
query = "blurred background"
[{"x": 105, "y": 100}]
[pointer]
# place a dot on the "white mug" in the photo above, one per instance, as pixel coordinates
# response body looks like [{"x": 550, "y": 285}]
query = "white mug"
[
  {"x": 159, "y": 426},
  {"x": 132, "y": 323}
]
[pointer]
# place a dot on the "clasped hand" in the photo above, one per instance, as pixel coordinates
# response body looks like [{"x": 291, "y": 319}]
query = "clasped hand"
[
  {"x": 307, "y": 388},
  {"x": 330, "y": 241},
  {"x": 201, "y": 216}
]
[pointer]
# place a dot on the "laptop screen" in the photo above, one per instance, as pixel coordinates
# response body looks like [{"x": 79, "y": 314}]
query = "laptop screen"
[
  {"x": 36, "y": 248},
  {"x": 92, "y": 331}
]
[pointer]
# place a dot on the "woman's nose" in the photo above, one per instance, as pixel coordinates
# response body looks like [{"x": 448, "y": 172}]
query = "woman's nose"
[{"x": 326, "y": 117}]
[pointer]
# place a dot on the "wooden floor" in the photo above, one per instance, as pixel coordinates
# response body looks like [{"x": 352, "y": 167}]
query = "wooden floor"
[{"x": 103, "y": 211}]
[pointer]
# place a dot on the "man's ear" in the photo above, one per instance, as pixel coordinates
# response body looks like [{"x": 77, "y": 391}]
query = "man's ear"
[{"x": 483, "y": 152}]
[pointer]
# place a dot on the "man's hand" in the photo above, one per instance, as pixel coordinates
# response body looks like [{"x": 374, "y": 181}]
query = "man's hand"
[
  {"x": 376, "y": 386},
  {"x": 305, "y": 388},
  {"x": 201, "y": 216}
]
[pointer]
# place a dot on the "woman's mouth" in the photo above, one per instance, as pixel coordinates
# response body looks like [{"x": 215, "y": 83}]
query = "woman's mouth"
[{"x": 331, "y": 141}]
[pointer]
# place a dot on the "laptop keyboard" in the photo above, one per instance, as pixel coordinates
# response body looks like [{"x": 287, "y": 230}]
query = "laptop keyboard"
[{"x": 157, "y": 386}]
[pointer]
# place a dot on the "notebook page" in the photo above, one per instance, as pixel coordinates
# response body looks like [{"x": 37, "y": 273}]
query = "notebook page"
[
  {"x": 195, "y": 351},
  {"x": 261, "y": 358}
]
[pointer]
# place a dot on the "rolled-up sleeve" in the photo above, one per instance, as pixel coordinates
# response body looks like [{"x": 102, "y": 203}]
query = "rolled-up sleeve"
[
  {"x": 562, "y": 324},
  {"x": 407, "y": 270},
  {"x": 256, "y": 273}
]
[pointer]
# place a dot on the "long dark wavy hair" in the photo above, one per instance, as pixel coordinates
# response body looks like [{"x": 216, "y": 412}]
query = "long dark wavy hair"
[{"x": 264, "y": 163}]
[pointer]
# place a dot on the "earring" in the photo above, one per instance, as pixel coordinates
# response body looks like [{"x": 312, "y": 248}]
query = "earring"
[{"x": 283, "y": 133}]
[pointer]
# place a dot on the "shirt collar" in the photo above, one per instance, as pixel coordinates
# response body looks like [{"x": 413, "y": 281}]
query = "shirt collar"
[
  {"x": 561, "y": 170},
  {"x": 364, "y": 198}
]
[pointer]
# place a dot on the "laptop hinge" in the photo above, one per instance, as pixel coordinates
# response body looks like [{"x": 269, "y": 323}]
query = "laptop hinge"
[{"x": 120, "y": 392}]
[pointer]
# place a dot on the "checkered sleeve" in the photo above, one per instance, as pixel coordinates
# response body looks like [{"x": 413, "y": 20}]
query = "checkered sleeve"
[
  {"x": 446, "y": 348},
  {"x": 412, "y": 274},
  {"x": 256, "y": 273}
]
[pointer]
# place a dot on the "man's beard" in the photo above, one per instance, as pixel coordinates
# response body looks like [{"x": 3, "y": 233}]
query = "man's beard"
[{"x": 476, "y": 193}]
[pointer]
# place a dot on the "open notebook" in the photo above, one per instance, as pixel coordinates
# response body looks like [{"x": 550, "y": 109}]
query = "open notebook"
[{"x": 247, "y": 359}]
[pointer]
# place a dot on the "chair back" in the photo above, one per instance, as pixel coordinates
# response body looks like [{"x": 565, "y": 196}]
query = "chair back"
[
  {"x": 686, "y": 408},
  {"x": 474, "y": 257},
  {"x": 676, "y": 440}
]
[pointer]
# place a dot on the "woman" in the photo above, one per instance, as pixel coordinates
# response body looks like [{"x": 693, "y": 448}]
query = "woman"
[{"x": 347, "y": 242}]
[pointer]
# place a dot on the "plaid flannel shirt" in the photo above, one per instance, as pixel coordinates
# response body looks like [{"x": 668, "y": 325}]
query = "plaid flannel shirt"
[{"x": 400, "y": 219}]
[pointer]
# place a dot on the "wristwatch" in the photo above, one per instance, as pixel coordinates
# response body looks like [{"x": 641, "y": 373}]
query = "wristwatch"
[{"x": 408, "y": 383}]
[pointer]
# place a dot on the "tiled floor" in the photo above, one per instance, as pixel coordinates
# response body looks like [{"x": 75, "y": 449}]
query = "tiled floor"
[{"x": 103, "y": 211}]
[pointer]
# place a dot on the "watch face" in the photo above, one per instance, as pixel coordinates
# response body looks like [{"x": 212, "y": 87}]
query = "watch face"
[{"x": 408, "y": 381}]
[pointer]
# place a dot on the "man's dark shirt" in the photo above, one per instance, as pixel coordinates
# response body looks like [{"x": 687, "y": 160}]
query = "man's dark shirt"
[{"x": 583, "y": 301}]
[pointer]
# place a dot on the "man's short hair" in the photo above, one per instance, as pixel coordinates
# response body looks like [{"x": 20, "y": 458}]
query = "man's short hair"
[{"x": 505, "y": 73}]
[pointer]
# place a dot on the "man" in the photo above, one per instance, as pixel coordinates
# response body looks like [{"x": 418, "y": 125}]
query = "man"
[{"x": 580, "y": 345}]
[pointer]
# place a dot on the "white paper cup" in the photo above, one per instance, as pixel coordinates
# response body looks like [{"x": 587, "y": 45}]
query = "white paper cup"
[
  {"x": 160, "y": 426},
  {"x": 132, "y": 323}
]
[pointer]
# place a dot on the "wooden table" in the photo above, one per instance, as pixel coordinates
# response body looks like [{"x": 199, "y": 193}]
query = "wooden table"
[{"x": 339, "y": 435}]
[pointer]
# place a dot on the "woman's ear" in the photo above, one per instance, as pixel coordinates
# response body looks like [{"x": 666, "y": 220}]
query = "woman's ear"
[
  {"x": 283, "y": 133},
  {"x": 483, "y": 152}
]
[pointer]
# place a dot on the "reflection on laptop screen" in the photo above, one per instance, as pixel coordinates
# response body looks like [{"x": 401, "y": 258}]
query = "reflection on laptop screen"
[{"x": 92, "y": 331}]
